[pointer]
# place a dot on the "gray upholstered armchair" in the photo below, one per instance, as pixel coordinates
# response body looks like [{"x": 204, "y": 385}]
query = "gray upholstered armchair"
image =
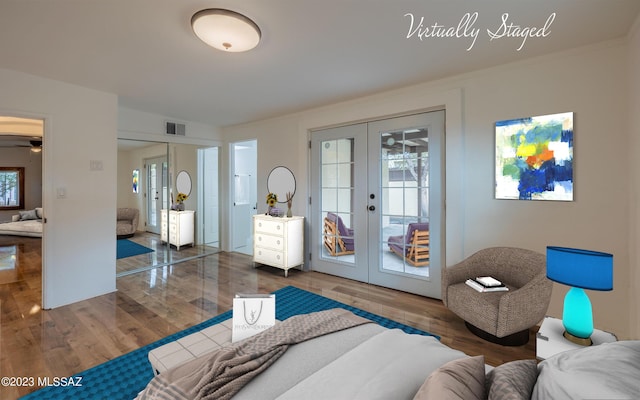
[
  {"x": 126, "y": 222},
  {"x": 500, "y": 317}
]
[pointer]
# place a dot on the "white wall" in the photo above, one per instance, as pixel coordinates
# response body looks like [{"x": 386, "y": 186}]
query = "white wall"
[
  {"x": 80, "y": 127},
  {"x": 590, "y": 81},
  {"x": 139, "y": 125},
  {"x": 144, "y": 126},
  {"x": 634, "y": 150},
  {"x": 32, "y": 163}
]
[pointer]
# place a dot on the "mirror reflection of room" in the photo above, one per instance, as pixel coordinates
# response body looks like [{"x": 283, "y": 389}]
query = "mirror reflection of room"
[{"x": 166, "y": 192}]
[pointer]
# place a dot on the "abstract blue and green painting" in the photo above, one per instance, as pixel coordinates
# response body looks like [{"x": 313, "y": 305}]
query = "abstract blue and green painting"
[{"x": 534, "y": 158}]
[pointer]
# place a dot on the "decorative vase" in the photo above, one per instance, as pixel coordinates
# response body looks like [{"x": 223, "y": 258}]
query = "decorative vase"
[
  {"x": 289, "y": 213},
  {"x": 180, "y": 207}
]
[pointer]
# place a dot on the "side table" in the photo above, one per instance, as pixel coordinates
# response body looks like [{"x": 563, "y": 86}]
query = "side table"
[{"x": 549, "y": 339}]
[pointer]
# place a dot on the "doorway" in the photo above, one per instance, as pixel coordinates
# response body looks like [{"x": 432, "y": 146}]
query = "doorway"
[
  {"x": 378, "y": 202},
  {"x": 21, "y": 181},
  {"x": 244, "y": 171}
]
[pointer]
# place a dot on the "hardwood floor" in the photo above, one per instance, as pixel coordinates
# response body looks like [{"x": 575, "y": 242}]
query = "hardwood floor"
[
  {"x": 153, "y": 304},
  {"x": 161, "y": 254}
]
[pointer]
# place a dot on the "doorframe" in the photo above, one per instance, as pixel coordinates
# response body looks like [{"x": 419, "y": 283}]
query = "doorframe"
[
  {"x": 366, "y": 159},
  {"x": 164, "y": 194},
  {"x": 381, "y": 107},
  {"x": 230, "y": 197},
  {"x": 203, "y": 206},
  {"x": 46, "y": 198}
]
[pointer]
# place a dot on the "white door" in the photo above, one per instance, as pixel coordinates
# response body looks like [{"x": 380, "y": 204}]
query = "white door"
[
  {"x": 157, "y": 189},
  {"x": 339, "y": 202},
  {"x": 244, "y": 194},
  {"x": 382, "y": 182}
]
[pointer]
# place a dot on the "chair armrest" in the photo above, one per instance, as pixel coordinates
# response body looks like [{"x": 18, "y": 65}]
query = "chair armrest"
[{"x": 524, "y": 307}]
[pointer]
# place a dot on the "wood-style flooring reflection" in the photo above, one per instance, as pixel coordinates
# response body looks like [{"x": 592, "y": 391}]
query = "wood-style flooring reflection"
[
  {"x": 153, "y": 304},
  {"x": 162, "y": 254}
]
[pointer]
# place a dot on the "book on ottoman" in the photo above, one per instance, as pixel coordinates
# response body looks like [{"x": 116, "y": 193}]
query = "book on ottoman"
[{"x": 252, "y": 313}]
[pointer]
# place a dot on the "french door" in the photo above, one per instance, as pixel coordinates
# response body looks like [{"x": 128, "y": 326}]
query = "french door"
[
  {"x": 157, "y": 192},
  {"x": 377, "y": 202}
]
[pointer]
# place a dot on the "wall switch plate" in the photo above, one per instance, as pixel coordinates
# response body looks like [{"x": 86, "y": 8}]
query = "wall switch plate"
[{"x": 95, "y": 165}]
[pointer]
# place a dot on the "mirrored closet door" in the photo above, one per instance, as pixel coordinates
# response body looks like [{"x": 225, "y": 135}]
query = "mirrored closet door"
[{"x": 173, "y": 190}]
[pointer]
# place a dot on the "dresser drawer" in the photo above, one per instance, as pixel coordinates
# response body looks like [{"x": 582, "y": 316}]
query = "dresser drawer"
[
  {"x": 268, "y": 256},
  {"x": 269, "y": 241},
  {"x": 268, "y": 226}
]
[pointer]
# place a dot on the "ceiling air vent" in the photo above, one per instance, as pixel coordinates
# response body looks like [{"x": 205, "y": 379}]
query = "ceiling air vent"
[{"x": 174, "y": 128}]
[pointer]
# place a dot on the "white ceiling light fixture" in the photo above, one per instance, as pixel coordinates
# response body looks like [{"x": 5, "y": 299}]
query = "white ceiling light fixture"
[{"x": 225, "y": 30}]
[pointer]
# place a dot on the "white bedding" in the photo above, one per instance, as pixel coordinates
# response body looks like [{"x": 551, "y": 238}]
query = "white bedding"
[
  {"x": 390, "y": 365},
  {"x": 371, "y": 362},
  {"x": 366, "y": 362},
  {"x": 32, "y": 227}
]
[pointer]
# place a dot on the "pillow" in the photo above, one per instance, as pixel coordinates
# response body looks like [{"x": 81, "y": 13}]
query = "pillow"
[
  {"x": 605, "y": 371},
  {"x": 39, "y": 212},
  {"x": 512, "y": 381},
  {"x": 26, "y": 215},
  {"x": 461, "y": 379}
]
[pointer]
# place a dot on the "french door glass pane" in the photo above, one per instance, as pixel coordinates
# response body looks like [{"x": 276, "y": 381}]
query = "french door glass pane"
[
  {"x": 336, "y": 179},
  {"x": 404, "y": 173}
]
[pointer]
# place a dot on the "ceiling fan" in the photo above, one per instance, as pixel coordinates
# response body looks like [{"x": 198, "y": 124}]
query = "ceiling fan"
[
  {"x": 34, "y": 143},
  {"x": 36, "y": 146}
]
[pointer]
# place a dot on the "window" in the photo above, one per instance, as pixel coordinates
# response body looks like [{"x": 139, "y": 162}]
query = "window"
[{"x": 11, "y": 188}]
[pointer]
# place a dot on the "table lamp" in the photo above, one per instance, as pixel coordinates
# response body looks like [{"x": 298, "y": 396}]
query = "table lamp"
[{"x": 580, "y": 269}]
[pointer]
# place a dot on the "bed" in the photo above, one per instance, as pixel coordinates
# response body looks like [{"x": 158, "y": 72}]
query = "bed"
[
  {"x": 367, "y": 361},
  {"x": 26, "y": 223}
]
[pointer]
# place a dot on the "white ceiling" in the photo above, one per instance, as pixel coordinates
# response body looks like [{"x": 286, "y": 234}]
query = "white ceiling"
[{"x": 312, "y": 52}]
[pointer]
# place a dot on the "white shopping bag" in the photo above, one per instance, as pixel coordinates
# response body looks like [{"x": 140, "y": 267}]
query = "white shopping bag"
[{"x": 252, "y": 313}]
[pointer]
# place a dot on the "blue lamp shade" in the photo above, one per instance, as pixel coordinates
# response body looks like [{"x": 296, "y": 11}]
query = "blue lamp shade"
[
  {"x": 584, "y": 269},
  {"x": 581, "y": 269}
]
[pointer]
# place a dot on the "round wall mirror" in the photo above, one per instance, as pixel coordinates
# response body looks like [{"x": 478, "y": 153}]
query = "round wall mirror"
[
  {"x": 281, "y": 181},
  {"x": 183, "y": 183}
]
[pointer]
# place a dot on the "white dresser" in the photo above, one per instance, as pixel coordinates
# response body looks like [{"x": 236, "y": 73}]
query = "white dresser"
[
  {"x": 278, "y": 242},
  {"x": 180, "y": 227}
]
